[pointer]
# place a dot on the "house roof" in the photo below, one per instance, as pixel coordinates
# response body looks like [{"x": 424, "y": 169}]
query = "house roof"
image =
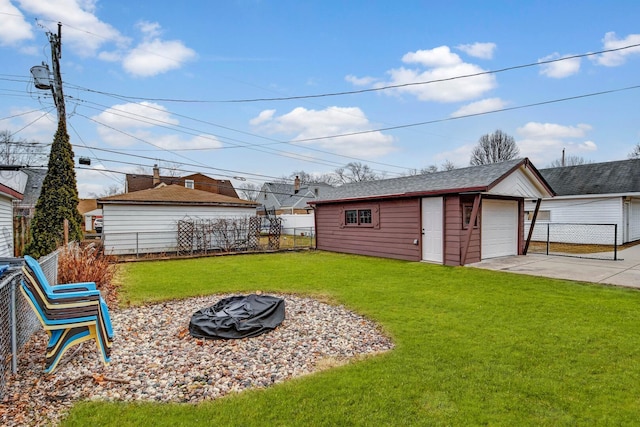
[
  {"x": 286, "y": 197},
  {"x": 617, "y": 177},
  {"x": 175, "y": 194},
  {"x": 470, "y": 179},
  {"x": 137, "y": 182},
  {"x": 87, "y": 205}
]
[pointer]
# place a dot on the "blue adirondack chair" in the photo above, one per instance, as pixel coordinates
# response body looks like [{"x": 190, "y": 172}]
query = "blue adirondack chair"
[{"x": 69, "y": 313}]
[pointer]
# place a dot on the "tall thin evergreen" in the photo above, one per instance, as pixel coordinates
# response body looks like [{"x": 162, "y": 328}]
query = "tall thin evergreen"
[{"x": 58, "y": 200}]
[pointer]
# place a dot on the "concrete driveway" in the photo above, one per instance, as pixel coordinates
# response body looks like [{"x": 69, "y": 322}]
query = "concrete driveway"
[{"x": 623, "y": 272}]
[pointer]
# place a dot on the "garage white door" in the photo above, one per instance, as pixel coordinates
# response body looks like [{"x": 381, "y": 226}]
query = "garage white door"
[
  {"x": 499, "y": 228},
  {"x": 432, "y": 229}
]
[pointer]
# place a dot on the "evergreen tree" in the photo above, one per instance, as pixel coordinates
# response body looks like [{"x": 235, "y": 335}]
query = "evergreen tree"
[{"x": 58, "y": 200}]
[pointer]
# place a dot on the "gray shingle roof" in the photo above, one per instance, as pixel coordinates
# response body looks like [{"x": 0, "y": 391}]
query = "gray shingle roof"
[
  {"x": 473, "y": 178},
  {"x": 621, "y": 176},
  {"x": 32, "y": 190}
]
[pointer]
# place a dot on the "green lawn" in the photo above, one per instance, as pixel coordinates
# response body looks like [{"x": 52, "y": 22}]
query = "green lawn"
[{"x": 473, "y": 347}]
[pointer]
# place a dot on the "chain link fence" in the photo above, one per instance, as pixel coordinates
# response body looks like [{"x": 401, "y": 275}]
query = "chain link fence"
[
  {"x": 596, "y": 241},
  {"x": 16, "y": 317}
]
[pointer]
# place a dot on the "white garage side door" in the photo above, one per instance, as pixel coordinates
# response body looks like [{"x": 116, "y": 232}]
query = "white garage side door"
[
  {"x": 499, "y": 228},
  {"x": 432, "y": 229}
]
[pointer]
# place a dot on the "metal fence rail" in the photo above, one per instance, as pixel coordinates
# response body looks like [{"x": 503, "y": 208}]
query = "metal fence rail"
[
  {"x": 595, "y": 241},
  {"x": 170, "y": 243},
  {"x": 17, "y": 320}
]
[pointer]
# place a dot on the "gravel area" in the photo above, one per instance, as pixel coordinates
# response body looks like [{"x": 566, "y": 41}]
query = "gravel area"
[{"x": 155, "y": 359}]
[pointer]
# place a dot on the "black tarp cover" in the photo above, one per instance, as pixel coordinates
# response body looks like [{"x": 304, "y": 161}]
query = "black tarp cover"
[{"x": 239, "y": 316}]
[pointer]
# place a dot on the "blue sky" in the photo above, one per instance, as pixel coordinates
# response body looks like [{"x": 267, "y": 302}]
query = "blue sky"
[{"x": 228, "y": 88}]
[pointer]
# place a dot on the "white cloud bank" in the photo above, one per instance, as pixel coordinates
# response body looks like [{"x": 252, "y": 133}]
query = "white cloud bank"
[
  {"x": 544, "y": 142},
  {"x": 86, "y": 35},
  {"x": 617, "y": 58},
  {"x": 559, "y": 69},
  {"x": 304, "y": 126},
  {"x": 441, "y": 67},
  {"x": 145, "y": 122}
]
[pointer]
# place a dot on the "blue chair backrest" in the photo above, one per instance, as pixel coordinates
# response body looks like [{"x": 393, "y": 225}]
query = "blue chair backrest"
[{"x": 37, "y": 270}]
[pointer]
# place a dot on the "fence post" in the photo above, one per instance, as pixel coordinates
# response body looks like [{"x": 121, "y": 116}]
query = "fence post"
[
  {"x": 615, "y": 242},
  {"x": 14, "y": 332},
  {"x": 548, "y": 226}
]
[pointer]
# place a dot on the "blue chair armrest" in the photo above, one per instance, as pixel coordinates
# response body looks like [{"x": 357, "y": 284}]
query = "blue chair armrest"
[
  {"x": 74, "y": 294},
  {"x": 83, "y": 286}
]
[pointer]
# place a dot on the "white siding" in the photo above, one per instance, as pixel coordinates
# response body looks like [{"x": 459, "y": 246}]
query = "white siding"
[
  {"x": 520, "y": 183},
  {"x": 303, "y": 223},
  {"x": 6, "y": 227},
  {"x": 596, "y": 210},
  {"x": 634, "y": 220},
  {"x": 130, "y": 229}
]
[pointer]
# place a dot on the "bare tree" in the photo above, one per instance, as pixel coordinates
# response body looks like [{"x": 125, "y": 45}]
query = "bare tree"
[
  {"x": 249, "y": 191},
  {"x": 312, "y": 178},
  {"x": 448, "y": 165},
  {"x": 111, "y": 190},
  {"x": 494, "y": 148},
  {"x": 429, "y": 169},
  {"x": 569, "y": 161},
  {"x": 635, "y": 153},
  {"x": 356, "y": 172},
  {"x": 20, "y": 152}
]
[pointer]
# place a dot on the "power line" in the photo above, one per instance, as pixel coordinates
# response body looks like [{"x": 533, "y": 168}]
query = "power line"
[{"x": 376, "y": 89}]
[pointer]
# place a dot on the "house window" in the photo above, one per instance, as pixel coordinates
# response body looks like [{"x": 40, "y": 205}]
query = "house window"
[
  {"x": 467, "y": 209},
  {"x": 542, "y": 215},
  {"x": 358, "y": 217},
  {"x": 189, "y": 183},
  {"x": 351, "y": 217}
]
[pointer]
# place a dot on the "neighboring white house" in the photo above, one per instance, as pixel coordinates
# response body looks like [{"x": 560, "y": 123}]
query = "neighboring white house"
[
  {"x": 146, "y": 221},
  {"x": 12, "y": 187},
  {"x": 594, "y": 193},
  {"x": 291, "y": 199}
]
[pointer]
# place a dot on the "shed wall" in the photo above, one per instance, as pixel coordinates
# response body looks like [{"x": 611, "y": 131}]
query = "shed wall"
[
  {"x": 130, "y": 229},
  {"x": 392, "y": 237}
]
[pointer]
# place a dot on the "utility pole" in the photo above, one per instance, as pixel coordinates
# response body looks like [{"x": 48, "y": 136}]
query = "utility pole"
[
  {"x": 43, "y": 79},
  {"x": 56, "y": 54}
]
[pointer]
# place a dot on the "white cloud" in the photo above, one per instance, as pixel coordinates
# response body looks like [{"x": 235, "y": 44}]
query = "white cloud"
[
  {"x": 128, "y": 124},
  {"x": 305, "y": 124},
  {"x": 33, "y": 125},
  {"x": 544, "y": 142},
  {"x": 478, "y": 50},
  {"x": 85, "y": 32},
  {"x": 155, "y": 56},
  {"x": 536, "y": 130},
  {"x": 462, "y": 152},
  {"x": 559, "y": 69},
  {"x": 13, "y": 27},
  {"x": 611, "y": 41},
  {"x": 441, "y": 67},
  {"x": 360, "y": 81},
  {"x": 479, "y": 107},
  {"x": 264, "y": 116}
]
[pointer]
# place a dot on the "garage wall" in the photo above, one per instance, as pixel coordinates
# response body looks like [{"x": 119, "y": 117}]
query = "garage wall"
[
  {"x": 392, "y": 237},
  {"x": 129, "y": 229}
]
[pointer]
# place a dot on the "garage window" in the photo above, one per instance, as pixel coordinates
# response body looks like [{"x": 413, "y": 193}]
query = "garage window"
[
  {"x": 467, "y": 209},
  {"x": 542, "y": 215},
  {"x": 358, "y": 217}
]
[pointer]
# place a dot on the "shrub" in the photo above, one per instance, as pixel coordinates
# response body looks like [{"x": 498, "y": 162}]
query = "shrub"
[{"x": 88, "y": 263}]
